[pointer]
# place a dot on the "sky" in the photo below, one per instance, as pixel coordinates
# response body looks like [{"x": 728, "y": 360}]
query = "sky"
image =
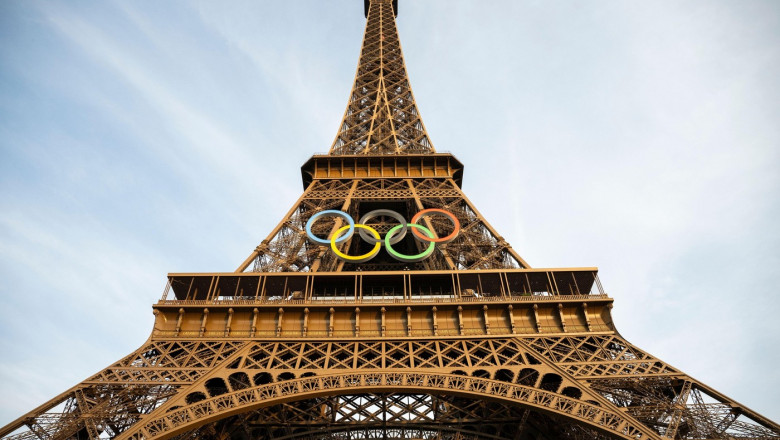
[{"x": 140, "y": 138}]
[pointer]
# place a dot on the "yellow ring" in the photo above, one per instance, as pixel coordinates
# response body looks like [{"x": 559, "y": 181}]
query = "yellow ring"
[{"x": 357, "y": 258}]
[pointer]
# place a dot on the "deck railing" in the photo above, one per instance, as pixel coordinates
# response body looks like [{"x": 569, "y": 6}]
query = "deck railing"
[{"x": 399, "y": 300}]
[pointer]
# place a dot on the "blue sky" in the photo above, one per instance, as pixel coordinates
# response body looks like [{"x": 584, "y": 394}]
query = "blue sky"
[{"x": 141, "y": 138}]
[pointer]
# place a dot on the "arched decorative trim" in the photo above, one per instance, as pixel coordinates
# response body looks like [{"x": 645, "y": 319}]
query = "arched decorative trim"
[{"x": 180, "y": 420}]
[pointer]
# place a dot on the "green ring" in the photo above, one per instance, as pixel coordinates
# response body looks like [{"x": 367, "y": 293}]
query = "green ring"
[{"x": 408, "y": 258}]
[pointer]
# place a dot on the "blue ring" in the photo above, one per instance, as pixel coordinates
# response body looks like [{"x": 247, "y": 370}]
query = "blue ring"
[{"x": 334, "y": 213}]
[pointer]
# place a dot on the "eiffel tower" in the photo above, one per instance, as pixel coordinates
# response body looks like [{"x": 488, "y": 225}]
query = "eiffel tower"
[{"x": 384, "y": 305}]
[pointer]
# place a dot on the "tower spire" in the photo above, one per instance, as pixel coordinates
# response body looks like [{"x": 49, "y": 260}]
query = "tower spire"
[{"x": 381, "y": 115}]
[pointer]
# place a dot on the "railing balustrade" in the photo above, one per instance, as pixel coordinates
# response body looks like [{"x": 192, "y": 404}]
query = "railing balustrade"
[{"x": 398, "y": 300}]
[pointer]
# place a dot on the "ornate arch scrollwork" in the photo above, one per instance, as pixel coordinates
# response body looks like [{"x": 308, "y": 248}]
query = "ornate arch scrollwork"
[{"x": 177, "y": 420}]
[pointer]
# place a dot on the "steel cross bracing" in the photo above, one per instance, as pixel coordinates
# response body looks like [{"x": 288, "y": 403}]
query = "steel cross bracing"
[
  {"x": 382, "y": 156},
  {"x": 470, "y": 343},
  {"x": 478, "y": 246},
  {"x": 469, "y": 387},
  {"x": 381, "y": 115}
]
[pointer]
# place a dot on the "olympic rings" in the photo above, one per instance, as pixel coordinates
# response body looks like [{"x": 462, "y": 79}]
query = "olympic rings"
[
  {"x": 386, "y": 212},
  {"x": 452, "y": 218},
  {"x": 408, "y": 258},
  {"x": 359, "y": 258},
  {"x": 372, "y": 236},
  {"x": 330, "y": 213}
]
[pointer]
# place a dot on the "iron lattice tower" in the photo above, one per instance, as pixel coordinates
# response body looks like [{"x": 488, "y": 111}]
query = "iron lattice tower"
[{"x": 468, "y": 343}]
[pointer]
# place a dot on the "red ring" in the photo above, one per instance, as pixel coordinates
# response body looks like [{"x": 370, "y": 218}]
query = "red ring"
[{"x": 455, "y": 225}]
